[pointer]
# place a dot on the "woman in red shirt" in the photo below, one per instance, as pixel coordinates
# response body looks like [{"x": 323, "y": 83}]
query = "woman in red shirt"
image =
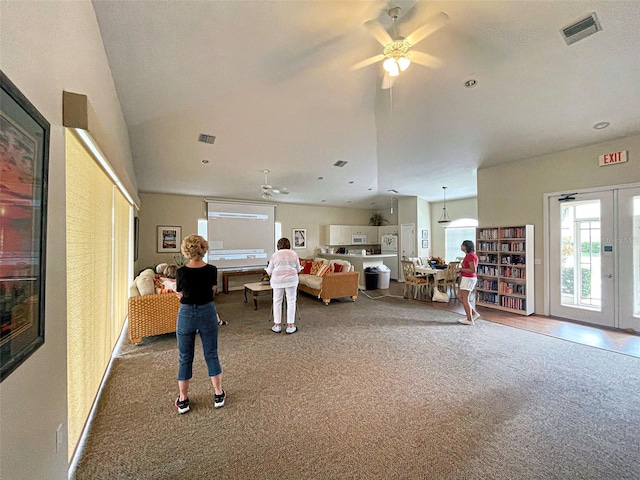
[{"x": 468, "y": 282}]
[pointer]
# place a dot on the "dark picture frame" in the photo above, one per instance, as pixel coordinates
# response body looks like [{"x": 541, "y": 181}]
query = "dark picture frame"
[
  {"x": 299, "y": 237},
  {"x": 24, "y": 162},
  {"x": 169, "y": 239}
]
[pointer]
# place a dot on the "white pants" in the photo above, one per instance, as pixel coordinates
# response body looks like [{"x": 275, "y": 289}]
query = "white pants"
[{"x": 278, "y": 294}]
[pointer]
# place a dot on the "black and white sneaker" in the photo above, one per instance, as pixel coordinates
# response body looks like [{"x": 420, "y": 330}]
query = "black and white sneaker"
[
  {"x": 219, "y": 399},
  {"x": 182, "y": 405}
]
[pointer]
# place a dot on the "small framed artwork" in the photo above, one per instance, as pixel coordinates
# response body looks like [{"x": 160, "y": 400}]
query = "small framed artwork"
[
  {"x": 425, "y": 234},
  {"x": 299, "y": 237},
  {"x": 24, "y": 165},
  {"x": 425, "y": 243},
  {"x": 169, "y": 239}
]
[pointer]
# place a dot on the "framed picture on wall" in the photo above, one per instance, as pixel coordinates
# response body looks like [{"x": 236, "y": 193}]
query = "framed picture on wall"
[
  {"x": 299, "y": 237},
  {"x": 169, "y": 239},
  {"x": 24, "y": 161},
  {"x": 425, "y": 234},
  {"x": 425, "y": 243}
]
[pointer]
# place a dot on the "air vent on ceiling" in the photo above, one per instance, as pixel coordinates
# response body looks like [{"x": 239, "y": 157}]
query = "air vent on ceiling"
[
  {"x": 206, "y": 138},
  {"x": 581, "y": 29},
  {"x": 340, "y": 163}
]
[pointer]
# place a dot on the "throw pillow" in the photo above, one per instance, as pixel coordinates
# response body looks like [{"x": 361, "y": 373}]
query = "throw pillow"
[
  {"x": 306, "y": 268},
  {"x": 337, "y": 268},
  {"x": 315, "y": 267},
  {"x": 323, "y": 270},
  {"x": 145, "y": 282}
]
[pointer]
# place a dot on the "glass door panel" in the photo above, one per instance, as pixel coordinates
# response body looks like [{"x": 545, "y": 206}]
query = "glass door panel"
[
  {"x": 627, "y": 243},
  {"x": 581, "y": 274}
]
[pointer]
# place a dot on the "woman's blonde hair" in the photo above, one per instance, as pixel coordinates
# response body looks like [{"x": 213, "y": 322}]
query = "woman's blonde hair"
[{"x": 194, "y": 247}]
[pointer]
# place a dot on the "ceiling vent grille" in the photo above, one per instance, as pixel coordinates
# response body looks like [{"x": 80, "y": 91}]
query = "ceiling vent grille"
[
  {"x": 206, "y": 138},
  {"x": 581, "y": 29}
]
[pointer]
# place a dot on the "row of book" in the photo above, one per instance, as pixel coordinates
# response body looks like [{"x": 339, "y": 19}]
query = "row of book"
[
  {"x": 512, "y": 247},
  {"x": 512, "y": 288},
  {"x": 515, "y": 303},
  {"x": 513, "y": 232},
  {"x": 513, "y": 260},
  {"x": 512, "y": 272},
  {"x": 488, "y": 270},
  {"x": 487, "y": 284},
  {"x": 487, "y": 246},
  {"x": 488, "y": 233},
  {"x": 487, "y": 297},
  {"x": 488, "y": 258}
]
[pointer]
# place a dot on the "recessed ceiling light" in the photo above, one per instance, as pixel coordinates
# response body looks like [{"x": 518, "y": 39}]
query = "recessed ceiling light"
[
  {"x": 369, "y": 189},
  {"x": 320, "y": 178},
  {"x": 349, "y": 201},
  {"x": 204, "y": 162},
  {"x": 372, "y": 203},
  {"x": 340, "y": 163},
  {"x": 323, "y": 201},
  {"x": 471, "y": 83},
  {"x": 601, "y": 125},
  {"x": 350, "y": 182}
]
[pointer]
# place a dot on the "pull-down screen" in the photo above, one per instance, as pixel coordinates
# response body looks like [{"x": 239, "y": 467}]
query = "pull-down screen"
[{"x": 240, "y": 235}]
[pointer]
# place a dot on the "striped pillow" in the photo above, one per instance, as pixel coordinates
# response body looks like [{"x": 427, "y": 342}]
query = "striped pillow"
[
  {"x": 323, "y": 270},
  {"x": 315, "y": 267}
]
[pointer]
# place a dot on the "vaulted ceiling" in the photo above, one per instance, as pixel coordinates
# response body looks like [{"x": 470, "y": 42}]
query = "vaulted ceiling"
[{"x": 271, "y": 80}]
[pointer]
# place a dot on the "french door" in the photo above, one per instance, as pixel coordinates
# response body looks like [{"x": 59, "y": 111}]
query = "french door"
[{"x": 594, "y": 253}]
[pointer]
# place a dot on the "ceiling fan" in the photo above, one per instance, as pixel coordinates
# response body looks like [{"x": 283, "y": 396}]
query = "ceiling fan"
[
  {"x": 268, "y": 190},
  {"x": 397, "y": 53}
]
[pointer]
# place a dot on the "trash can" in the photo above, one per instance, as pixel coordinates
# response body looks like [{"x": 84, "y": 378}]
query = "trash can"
[
  {"x": 371, "y": 275},
  {"x": 383, "y": 279}
]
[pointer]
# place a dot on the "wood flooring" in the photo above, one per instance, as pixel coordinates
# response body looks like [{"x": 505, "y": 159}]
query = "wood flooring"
[{"x": 600, "y": 337}]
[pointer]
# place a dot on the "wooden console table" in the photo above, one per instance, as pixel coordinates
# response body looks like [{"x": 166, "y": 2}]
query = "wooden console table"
[{"x": 236, "y": 273}]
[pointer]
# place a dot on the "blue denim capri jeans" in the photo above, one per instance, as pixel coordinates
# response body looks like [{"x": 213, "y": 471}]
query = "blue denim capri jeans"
[{"x": 192, "y": 319}]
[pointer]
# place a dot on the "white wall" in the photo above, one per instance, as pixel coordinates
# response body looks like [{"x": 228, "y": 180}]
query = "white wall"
[
  {"x": 512, "y": 194},
  {"x": 182, "y": 210},
  {"x": 48, "y": 47}
]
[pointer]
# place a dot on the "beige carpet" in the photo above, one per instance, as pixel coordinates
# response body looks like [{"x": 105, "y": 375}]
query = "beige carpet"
[{"x": 387, "y": 388}]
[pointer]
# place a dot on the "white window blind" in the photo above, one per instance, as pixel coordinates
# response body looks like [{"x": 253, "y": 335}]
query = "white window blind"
[{"x": 98, "y": 228}]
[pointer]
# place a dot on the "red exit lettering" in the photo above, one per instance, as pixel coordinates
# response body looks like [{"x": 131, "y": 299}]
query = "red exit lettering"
[{"x": 611, "y": 158}]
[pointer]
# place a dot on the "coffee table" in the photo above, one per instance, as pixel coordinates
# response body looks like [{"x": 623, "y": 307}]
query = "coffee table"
[{"x": 256, "y": 289}]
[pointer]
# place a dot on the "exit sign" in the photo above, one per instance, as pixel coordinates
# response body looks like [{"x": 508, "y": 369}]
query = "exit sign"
[{"x": 612, "y": 158}]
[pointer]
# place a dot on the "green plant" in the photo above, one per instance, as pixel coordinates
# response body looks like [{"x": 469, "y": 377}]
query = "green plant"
[
  {"x": 377, "y": 219},
  {"x": 180, "y": 260}
]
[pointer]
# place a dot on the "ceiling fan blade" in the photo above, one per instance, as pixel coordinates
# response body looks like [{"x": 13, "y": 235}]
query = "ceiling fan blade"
[
  {"x": 433, "y": 24},
  {"x": 367, "y": 62},
  {"x": 280, "y": 190},
  {"x": 424, "y": 59},
  {"x": 387, "y": 81},
  {"x": 378, "y": 32}
]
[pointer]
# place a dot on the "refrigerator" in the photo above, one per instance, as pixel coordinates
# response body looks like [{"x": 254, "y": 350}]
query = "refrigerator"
[{"x": 389, "y": 244}]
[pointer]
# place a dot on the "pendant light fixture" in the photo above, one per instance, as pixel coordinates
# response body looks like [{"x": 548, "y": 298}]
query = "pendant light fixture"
[{"x": 444, "y": 218}]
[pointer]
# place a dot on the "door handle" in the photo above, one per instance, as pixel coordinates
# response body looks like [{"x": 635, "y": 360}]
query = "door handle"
[{"x": 609, "y": 275}]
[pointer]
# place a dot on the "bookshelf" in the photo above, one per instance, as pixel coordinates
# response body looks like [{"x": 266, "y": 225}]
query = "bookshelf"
[{"x": 506, "y": 268}]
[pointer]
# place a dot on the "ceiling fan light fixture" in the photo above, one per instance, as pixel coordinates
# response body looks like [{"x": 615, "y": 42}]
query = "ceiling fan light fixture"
[
  {"x": 403, "y": 63},
  {"x": 389, "y": 64},
  {"x": 395, "y": 71}
]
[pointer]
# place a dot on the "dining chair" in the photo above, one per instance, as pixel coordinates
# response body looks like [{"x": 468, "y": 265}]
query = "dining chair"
[
  {"x": 417, "y": 282},
  {"x": 451, "y": 279}
]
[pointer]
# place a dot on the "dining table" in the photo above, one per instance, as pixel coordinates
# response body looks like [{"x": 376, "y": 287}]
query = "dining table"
[{"x": 435, "y": 274}]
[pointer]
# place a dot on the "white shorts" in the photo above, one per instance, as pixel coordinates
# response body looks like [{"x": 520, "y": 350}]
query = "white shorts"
[{"x": 468, "y": 283}]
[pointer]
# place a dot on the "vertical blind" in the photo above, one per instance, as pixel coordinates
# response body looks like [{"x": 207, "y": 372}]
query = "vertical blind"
[{"x": 98, "y": 265}]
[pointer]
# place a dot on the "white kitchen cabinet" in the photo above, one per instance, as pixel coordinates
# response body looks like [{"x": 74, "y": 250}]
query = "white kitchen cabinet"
[{"x": 336, "y": 235}]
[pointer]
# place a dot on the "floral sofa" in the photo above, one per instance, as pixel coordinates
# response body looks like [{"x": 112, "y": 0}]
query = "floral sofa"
[
  {"x": 328, "y": 279},
  {"x": 153, "y": 306}
]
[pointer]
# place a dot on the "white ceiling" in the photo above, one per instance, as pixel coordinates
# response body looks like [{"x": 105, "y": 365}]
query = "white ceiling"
[{"x": 271, "y": 80}]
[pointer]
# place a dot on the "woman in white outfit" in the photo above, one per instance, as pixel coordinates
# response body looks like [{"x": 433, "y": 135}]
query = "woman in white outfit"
[{"x": 283, "y": 270}]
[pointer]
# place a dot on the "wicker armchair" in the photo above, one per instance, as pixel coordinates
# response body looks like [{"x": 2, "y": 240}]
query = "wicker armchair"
[{"x": 151, "y": 315}]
